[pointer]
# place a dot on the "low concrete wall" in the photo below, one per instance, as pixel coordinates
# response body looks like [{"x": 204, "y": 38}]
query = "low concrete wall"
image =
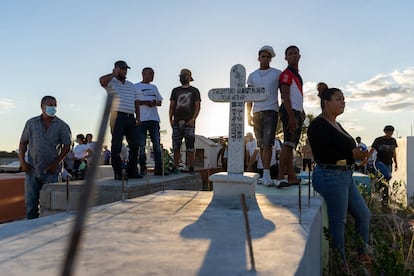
[{"x": 58, "y": 197}]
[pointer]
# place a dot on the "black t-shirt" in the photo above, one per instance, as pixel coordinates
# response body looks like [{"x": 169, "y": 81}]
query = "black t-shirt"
[
  {"x": 385, "y": 148},
  {"x": 328, "y": 144},
  {"x": 184, "y": 99}
]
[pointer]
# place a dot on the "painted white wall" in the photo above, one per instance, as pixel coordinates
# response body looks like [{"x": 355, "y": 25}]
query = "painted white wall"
[{"x": 405, "y": 172}]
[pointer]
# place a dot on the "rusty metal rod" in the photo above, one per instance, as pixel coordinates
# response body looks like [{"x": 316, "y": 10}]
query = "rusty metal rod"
[
  {"x": 85, "y": 198},
  {"x": 300, "y": 202},
  {"x": 249, "y": 238},
  {"x": 309, "y": 188}
]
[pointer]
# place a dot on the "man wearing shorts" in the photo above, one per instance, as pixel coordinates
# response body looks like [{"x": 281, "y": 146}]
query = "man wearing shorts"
[
  {"x": 184, "y": 108},
  {"x": 265, "y": 113},
  {"x": 291, "y": 115}
]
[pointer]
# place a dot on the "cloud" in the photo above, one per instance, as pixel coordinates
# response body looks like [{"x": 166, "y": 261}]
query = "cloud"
[
  {"x": 6, "y": 104},
  {"x": 383, "y": 93}
]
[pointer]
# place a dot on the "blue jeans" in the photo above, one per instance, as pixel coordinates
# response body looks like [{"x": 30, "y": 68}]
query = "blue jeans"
[
  {"x": 386, "y": 170},
  {"x": 32, "y": 187},
  {"x": 123, "y": 125},
  {"x": 341, "y": 195},
  {"x": 153, "y": 127}
]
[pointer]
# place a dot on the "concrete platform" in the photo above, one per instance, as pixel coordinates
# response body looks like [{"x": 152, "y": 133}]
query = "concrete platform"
[
  {"x": 58, "y": 197},
  {"x": 173, "y": 233}
]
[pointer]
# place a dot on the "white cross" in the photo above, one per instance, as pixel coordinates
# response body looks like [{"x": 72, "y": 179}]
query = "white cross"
[{"x": 237, "y": 95}]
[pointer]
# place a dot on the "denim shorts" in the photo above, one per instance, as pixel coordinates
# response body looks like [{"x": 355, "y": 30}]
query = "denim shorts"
[
  {"x": 291, "y": 139},
  {"x": 265, "y": 123},
  {"x": 180, "y": 132}
]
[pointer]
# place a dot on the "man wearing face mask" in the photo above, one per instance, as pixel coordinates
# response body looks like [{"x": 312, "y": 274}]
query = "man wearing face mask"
[
  {"x": 123, "y": 121},
  {"x": 184, "y": 108},
  {"x": 47, "y": 140}
]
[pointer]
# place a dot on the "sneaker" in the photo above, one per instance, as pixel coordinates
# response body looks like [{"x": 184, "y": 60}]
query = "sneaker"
[
  {"x": 281, "y": 183},
  {"x": 191, "y": 170},
  {"x": 267, "y": 182},
  {"x": 259, "y": 181},
  {"x": 175, "y": 171}
]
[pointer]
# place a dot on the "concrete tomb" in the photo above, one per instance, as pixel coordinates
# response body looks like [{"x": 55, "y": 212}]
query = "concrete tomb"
[{"x": 228, "y": 186}]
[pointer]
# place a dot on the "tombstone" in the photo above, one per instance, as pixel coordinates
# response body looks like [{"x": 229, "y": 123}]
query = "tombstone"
[
  {"x": 228, "y": 186},
  {"x": 405, "y": 174}
]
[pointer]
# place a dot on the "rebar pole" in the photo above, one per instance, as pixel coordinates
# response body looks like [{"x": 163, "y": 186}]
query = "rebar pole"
[
  {"x": 67, "y": 193},
  {"x": 85, "y": 197},
  {"x": 249, "y": 238},
  {"x": 309, "y": 189},
  {"x": 300, "y": 202}
]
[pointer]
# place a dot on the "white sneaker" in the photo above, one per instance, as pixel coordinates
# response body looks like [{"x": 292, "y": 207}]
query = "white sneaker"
[
  {"x": 259, "y": 181},
  {"x": 267, "y": 182},
  {"x": 281, "y": 183}
]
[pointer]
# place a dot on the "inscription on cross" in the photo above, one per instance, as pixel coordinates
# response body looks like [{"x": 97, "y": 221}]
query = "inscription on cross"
[{"x": 237, "y": 95}]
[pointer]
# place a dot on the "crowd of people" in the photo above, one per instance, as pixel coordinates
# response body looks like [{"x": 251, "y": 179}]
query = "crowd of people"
[{"x": 329, "y": 151}]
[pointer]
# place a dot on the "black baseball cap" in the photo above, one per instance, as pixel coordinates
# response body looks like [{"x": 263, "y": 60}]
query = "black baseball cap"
[
  {"x": 388, "y": 128},
  {"x": 121, "y": 64}
]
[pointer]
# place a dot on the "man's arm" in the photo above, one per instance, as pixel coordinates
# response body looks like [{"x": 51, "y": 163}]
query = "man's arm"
[
  {"x": 171, "y": 112},
  {"x": 196, "y": 112},
  {"x": 249, "y": 106},
  {"x": 105, "y": 79},
  {"x": 137, "y": 112},
  {"x": 51, "y": 168},
  {"x": 25, "y": 167},
  {"x": 394, "y": 156},
  {"x": 285, "y": 91}
]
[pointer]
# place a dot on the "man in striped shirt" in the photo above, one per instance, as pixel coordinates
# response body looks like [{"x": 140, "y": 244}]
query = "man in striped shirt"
[{"x": 123, "y": 121}]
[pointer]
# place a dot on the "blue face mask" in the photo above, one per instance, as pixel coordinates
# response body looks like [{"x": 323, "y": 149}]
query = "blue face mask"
[{"x": 50, "y": 110}]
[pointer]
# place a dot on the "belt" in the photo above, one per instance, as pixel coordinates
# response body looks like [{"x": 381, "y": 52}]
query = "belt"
[
  {"x": 129, "y": 115},
  {"x": 336, "y": 167},
  {"x": 266, "y": 112}
]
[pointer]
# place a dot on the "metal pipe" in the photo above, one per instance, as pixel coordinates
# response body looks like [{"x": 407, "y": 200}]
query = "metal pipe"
[
  {"x": 249, "y": 238},
  {"x": 85, "y": 197}
]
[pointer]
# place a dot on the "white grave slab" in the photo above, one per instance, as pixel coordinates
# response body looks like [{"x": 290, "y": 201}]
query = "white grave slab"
[
  {"x": 230, "y": 185},
  {"x": 405, "y": 172}
]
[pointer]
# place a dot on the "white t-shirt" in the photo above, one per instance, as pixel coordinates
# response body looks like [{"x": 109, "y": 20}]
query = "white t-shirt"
[
  {"x": 80, "y": 151},
  {"x": 148, "y": 92},
  {"x": 269, "y": 79}
]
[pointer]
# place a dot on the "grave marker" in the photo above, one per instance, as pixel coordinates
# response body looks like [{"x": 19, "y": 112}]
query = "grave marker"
[{"x": 237, "y": 95}]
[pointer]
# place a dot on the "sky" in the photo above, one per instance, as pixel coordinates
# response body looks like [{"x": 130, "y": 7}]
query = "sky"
[{"x": 61, "y": 48}]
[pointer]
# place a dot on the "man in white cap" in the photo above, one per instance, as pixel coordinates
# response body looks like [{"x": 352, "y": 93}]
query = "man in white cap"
[{"x": 263, "y": 115}]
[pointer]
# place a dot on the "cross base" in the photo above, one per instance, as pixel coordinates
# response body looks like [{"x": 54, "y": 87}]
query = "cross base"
[{"x": 228, "y": 188}]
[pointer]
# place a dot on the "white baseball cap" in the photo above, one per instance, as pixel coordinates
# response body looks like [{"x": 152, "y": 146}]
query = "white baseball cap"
[{"x": 268, "y": 49}]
